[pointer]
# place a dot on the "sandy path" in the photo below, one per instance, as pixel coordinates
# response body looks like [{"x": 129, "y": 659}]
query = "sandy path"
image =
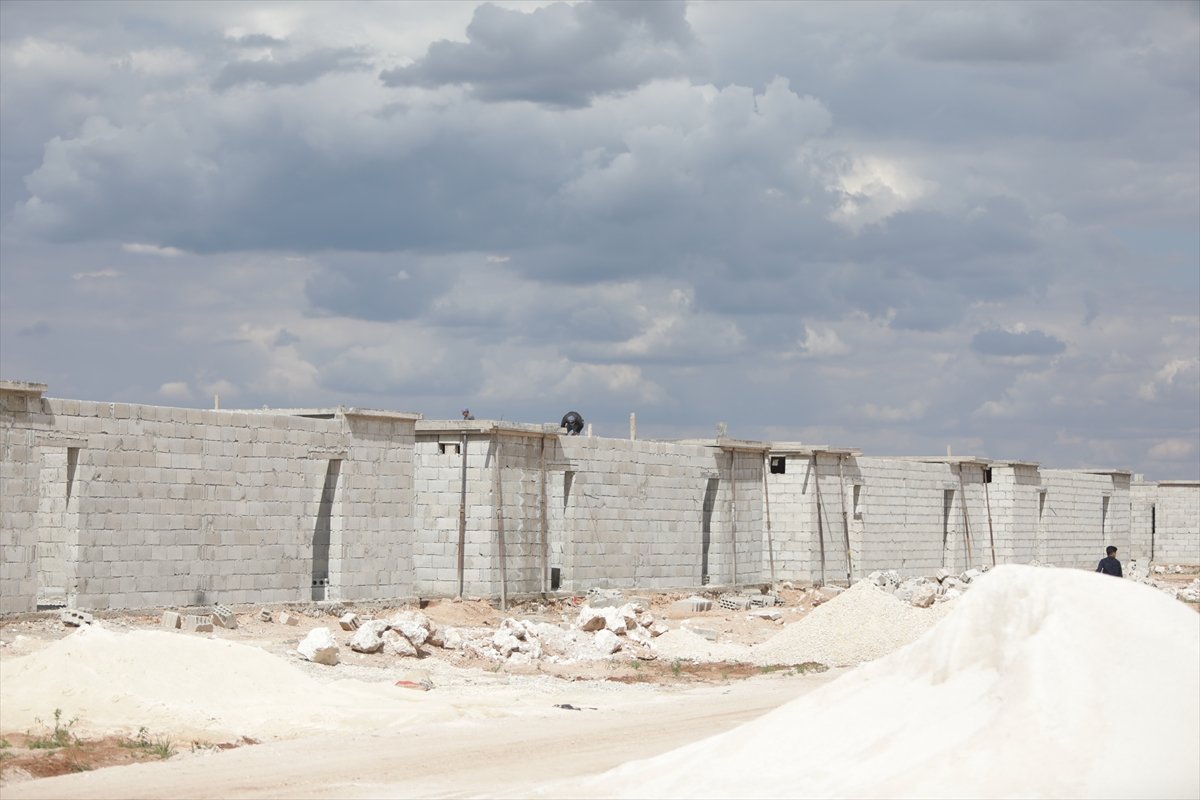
[{"x": 460, "y": 758}]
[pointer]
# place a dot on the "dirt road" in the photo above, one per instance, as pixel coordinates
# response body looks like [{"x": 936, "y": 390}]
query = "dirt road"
[{"x": 494, "y": 757}]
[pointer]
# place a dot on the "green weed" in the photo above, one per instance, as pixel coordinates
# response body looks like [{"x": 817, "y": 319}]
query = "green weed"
[{"x": 60, "y": 735}]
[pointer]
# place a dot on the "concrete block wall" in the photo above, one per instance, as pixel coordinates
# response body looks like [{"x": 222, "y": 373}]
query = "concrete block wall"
[
  {"x": 633, "y": 513},
  {"x": 19, "y": 500},
  {"x": 173, "y": 506},
  {"x": 1077, "y": 523},
  {"x": 438, "y": 485},
  {"x": 911, "y": 515},
  {"x": 1166, "y": 521}
]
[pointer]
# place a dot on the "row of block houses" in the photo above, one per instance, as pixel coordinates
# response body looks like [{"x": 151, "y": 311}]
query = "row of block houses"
[{"x": 113, "y": 505}]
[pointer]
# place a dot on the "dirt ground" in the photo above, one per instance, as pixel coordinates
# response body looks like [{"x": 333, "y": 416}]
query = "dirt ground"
[
  {"x": 61, "y": 748},
  {"x": 580, "y": 717}
]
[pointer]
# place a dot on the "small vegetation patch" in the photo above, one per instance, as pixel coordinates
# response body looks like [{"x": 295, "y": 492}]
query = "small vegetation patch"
[{"x": 59, "y": 750}]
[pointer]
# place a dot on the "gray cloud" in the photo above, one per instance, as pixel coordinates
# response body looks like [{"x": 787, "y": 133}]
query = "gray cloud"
[
  {"x": 293, "y": 72},
  {"x": 1020, "y": 343},
  {"x": 689, "y": 210},
  {"x": 563, "y": 55}
]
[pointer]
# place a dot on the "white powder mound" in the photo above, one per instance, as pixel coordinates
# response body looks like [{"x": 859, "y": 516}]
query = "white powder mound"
[
  {"x": 861, "y": 624},
  {"x": 1039, "y": 683},
  {"x": 188, "y": 685},
  {"x": 685, "y": 645}
]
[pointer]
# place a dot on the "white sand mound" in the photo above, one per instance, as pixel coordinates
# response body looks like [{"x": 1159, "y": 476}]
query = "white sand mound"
[
  {"x": 190, "y": 686},
  {"x": 1039, "y": 683},
  {"x": 860, "y": 624}
]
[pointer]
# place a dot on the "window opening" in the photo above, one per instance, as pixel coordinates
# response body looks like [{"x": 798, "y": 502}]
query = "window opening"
[{"x": 778, "y": 465}]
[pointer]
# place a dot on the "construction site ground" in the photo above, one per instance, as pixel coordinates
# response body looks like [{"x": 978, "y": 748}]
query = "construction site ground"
[{"x": 523, "y": 725}]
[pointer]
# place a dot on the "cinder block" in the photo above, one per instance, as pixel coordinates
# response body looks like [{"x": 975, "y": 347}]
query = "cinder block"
[
  {"x": 288, "y": 618},
  {"x": 224, "y": 617},
  {"x": 171, "y": 619},
  {"x": 75, "y": 618},
  {"x": 200, "y": 623}
]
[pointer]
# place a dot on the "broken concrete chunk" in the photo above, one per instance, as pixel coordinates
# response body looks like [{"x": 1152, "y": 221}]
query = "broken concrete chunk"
[
  {"x": 172, "y": 619},
  {"x": 452, "y": 639},
  {"x": 75, "y": 618},
  {"x": 319, "y": 647},
  {"x": 348, "y": 621},
  {"x": 224, "y": 617},
  {"x": 606, "y": 641},
  {"x": 397, "y": 644},
  {"x": 941, "y": 575},
  {"x": 658, "y": 629},
  {"x": 413, "y": 625},
  {"x": 766, "y": 613},
  {"x": 619, "y": 620},
  {"x": 265, "y": 615},
  {"x": 970, "y": 575},
  {"x": 369, "y": 637},
  {"x": 705, "y": 633},
  {"x": 289, "y": 618},
  {"x": 200, "y": 623},
  {"x": 590, "y": 619},
  {"x": 924, "y": 595}
]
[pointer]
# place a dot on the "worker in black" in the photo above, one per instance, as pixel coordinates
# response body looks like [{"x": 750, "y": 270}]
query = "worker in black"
[{"x": 1109, "y": 564}]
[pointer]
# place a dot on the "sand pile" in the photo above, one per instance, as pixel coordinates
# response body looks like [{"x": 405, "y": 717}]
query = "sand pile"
[
  {"x": 1039, "y": 683},
  {"x": 861, "y": 624},
  {"x": 192, "y": 686}
]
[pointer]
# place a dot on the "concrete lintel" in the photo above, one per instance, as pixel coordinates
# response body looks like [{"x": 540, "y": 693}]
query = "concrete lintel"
[
  {"x": 1102, "y": 471},
  {"x": 333, "y": 455},
  {"x": 726, "y": 443},
  {"x": 60, "y": 441},
  {"x": 797, "y": 449},
  {"x": 1178, "y": 483},
  {"x": 372, "y": 413},
  {"x": 953, "y": 460},
  {"x": 486, "y": 426},
  {"x": 23, "y": 387}
]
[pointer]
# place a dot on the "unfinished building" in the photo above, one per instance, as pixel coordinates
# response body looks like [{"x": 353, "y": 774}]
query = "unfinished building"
[{"x": 112, "y": 505}]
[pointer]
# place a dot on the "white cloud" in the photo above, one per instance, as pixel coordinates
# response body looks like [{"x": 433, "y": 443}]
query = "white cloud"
[
  {"x": 1172, "y": 449},
  {"x": 100, "y": 274},
  {"x": 151, "y": 250},
  {"x": 1166, "y": 377},
  {"x": 881, "y": 413},
  {"x": 820, "y": 344},
  {"x": 175, "y": 390}
]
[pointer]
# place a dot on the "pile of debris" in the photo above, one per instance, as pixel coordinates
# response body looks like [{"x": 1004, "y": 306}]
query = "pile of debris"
[
  {"x": 924, "y": 592},
  {"x": 402, "y": 635},
  {"x": 1187, "y": 594}
]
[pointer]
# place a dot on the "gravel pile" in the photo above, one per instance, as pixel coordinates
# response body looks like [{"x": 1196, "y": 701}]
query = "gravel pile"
[{"x": 860, "y": 624}]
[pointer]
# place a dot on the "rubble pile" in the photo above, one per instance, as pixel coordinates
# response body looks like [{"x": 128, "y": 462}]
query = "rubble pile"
[{"x": 923, "y": 592}]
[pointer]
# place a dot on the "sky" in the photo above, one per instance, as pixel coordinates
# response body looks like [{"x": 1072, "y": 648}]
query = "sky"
[{"x": 899, "y": 227}]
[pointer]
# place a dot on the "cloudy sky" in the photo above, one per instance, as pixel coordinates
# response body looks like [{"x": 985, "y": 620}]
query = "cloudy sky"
[{"x": 897, "y": 227}]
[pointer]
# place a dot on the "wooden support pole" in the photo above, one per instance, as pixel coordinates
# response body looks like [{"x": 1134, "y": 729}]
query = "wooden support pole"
[
  {"x": 845, "y": 521},
  {"x": 733, "y": 511},
  {"x": 987, "y": 499},
  {"x": 767, "y": 511},
  {"x": 820, "y": 511},
  {"x": 968, "y": 546},
  {"x": 545, "y": 526},
  {"x": 498, "y": 505},
  {"x": 462, "y": 513}
]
